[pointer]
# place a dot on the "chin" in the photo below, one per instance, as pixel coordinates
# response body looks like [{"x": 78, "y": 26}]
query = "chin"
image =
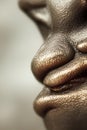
[
  {"x": 66, "y": 119},
  {"x": 65, "y": 110}
]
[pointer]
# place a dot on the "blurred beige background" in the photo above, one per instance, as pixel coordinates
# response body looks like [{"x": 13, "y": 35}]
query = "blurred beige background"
[{"x": 19, "y": 40}]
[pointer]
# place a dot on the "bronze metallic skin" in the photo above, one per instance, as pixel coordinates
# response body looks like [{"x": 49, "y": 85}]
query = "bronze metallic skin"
[{"x": 61, "y": 62}]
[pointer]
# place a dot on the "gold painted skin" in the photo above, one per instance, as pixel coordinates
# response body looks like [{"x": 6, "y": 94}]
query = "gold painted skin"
[{"x": 61, "y": 62}]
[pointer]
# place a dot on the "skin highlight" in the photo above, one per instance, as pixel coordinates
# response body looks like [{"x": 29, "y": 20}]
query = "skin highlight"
[{"x": 61, "y": 62}]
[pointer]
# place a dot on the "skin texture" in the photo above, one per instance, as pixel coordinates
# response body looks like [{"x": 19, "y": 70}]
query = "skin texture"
[{"x": 61, "y": 62}]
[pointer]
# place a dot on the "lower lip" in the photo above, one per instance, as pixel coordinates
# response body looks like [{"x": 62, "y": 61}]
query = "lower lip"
[{"x": 78, "y": 81}]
